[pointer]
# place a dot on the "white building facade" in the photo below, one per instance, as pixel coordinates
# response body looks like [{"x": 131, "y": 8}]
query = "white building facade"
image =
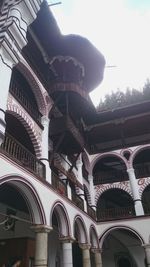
[{"x": 61, "y": 205}]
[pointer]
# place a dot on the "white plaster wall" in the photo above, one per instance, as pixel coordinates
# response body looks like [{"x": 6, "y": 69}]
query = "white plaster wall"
[
  {"x": 46, "y": 194},
  {"x": 139, "y": 224},
  {"x": 126, "y": 245}
]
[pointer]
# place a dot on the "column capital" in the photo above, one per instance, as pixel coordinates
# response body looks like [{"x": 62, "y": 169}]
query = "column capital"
[
  {"x": 45, "y": 120},
  {"x": 40, "y": 228},
  {"x": 90, "y": 177},
  {"x": 130, "y": 170},
  {"x": 66, "y": 239},
  {"x": 96, "y": 250},
  {"x": 85, "y": 246}
]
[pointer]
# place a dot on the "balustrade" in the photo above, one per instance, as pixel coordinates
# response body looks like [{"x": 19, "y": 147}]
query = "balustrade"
[
  {"x": 142, "y": 170},
  {"x": 77, "y": 200},
  {"x": 58, "y": 184},
  {"x": 19, "y": 93},
  {"x": 115, "y": 213},
  {"x": 105, "y": 177},
  {"x": 91, "y": 212},
  {"x": 19, "y": 153}
]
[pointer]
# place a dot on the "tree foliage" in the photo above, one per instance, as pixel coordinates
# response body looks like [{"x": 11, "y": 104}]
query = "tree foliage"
[{"x": 120, "y": 99}]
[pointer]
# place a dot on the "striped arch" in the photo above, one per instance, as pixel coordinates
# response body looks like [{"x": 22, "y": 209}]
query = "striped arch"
[
  {"x": 103, "y": 189},
  {"x": 79, "y": 225},
  {"x": 23, "y": 118},
  {"x": 30, "y": 195},
  {"x": 143, "y": 186},
  {"x": 110, "y": 229},
  {"x": 43, "y": 99},
  {"x": 93, "y": 237},
  {"x": 105, "y": 155},
  {"x": 86, "y": 191},
  {"x": 137, "y": 151},
  {"x": 62, "y": 217}
]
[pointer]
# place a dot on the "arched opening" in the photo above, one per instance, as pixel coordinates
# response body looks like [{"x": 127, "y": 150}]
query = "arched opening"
[
  {"x": 60, "y": 225},
  {"x": 21, "y": 90},
  {"x": 122, "y": 248},
  {"x": 141, "y": 163},
  {"x": 80, "y": 239},
  {"x": 18, "y": 211},
  {"x": 19, "y": 147},
  {"x": 109, "y": 169},
  {"x": 17, "y": 131},
  {"x": 146, "y": 200},
  {"x": 115, "y": 204},
  {"x": 94, "y": 245}
]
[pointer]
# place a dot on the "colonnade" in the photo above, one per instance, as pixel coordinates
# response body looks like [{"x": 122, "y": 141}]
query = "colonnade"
[{"x": 41, "y": 249}]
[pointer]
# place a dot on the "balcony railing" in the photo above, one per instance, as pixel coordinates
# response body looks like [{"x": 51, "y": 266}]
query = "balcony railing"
[
  {"x": 115, "y": 213},
  {"x": 142, "y": 171},
  {"x": 58, "y": 184},
  {"x": 78, "y": 201},
  {"x": 91, "y": 212},
  {"x": 19, "y": 93},
  {"x": 21, "y": 155},
  {"x": 105, "y": 177},
  {"x": 69, "y": 175}
]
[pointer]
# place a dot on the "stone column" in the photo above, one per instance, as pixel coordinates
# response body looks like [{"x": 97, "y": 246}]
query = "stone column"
[
  {"x": 86, "y": 255},
  {"x": 79, "y": 175},
  {"x": 79, "y": 167},
  {"x": 98, "y": 258},
  {"x": 41, "y": 245},
  {"x": 44, "y": 158},
  {"x": 134, "y": 187},
  {"x": 147, "y": 254},
  {"x": 67, "y": 252},
  {"x": 64, "y": 178},
  {"x": 92, "y": 191}
]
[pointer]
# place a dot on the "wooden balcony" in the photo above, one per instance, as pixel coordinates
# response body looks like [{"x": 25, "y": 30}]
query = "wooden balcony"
[
  {"x": 105, "y": 177},
  {"x": 142, "y": 170},
  {"x": 59, "y": 185},
  {"x": 19, "y": 94},
  {"x": 77, "y": 200},
  {"x": 115, "y": 213},
  {"x": 70, "y": 176},
  {"x": 22, "y": 156},
  {"x": 73, "y": 140},
  {"x": 91, "y": 212}
]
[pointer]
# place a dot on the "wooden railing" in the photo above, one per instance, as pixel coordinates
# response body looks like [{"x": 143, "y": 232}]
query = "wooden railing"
[
  {"x": 115, "y": 213},
  {"x": 105, "y": 177},
  {"x": 91, "y": 212},
  {"x": 142, "y": 171},
  {"x": 19, "y": 93},
  {"x": 58, "y": 184},
  {"x": 20, "y": 154},
  {"x": 69, "y": 175},
  {"x": 77, "y": 200}
]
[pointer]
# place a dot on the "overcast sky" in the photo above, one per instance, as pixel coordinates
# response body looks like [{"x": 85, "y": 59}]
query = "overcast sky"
[{"x": 120, "y": 29}]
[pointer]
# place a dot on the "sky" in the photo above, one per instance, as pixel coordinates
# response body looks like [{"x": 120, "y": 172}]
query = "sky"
[{"x": 120, "y": 29}]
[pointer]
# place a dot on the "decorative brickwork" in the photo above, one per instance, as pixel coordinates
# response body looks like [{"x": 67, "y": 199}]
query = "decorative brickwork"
[{"x": 100, "y": 189}]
